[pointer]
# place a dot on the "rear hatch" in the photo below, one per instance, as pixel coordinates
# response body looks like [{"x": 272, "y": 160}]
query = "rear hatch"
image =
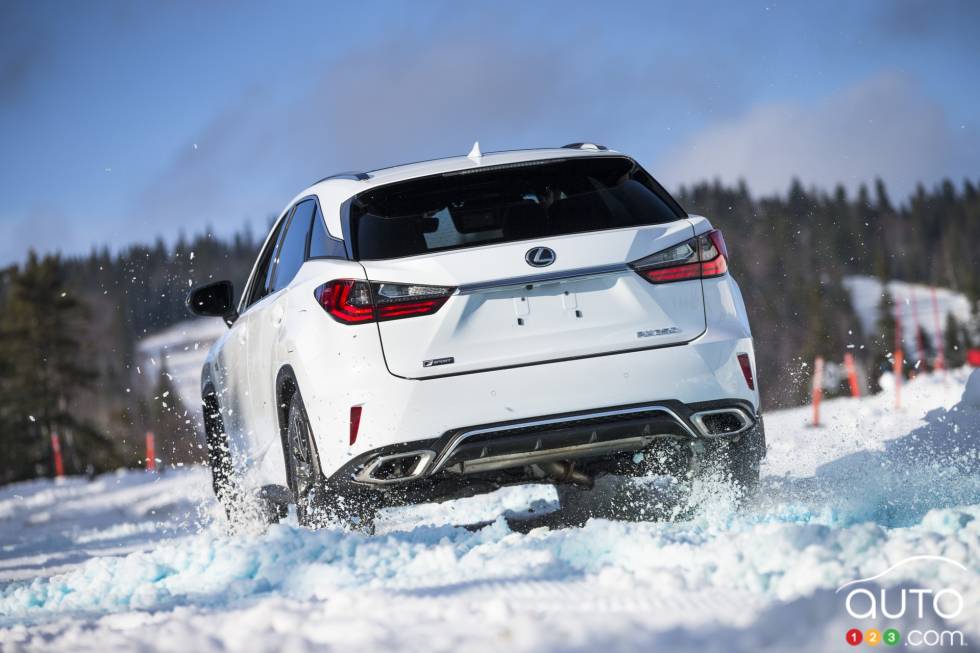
[{"x": 538, "y": 258}]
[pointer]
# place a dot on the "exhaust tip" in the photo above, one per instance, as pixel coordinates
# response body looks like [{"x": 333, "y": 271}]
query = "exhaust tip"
[
  {"x": 722, "y": 422},
  {"x": 395, "y": 468}
]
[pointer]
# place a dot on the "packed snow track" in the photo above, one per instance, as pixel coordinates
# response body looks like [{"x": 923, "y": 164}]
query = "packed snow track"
[{"x": 135, "y": 561}]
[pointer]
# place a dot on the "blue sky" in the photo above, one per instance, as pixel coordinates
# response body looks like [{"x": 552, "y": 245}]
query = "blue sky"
[{"x": 124, "y": 121}]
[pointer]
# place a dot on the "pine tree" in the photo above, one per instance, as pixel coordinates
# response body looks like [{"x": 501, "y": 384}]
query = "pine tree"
[
  {"x": 46, "y": 370},
  {"x": 15, "y": 444}
]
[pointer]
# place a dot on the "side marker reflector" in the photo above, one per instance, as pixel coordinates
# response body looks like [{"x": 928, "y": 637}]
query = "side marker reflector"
[
  {"x": 743, "y": 360},
  {"x": 355, "y": 422}
]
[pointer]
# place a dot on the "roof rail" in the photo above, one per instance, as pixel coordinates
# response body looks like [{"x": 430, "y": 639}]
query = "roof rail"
[
  {"x": 357, "y": 176},
  {"x": 585, "y": 146}
]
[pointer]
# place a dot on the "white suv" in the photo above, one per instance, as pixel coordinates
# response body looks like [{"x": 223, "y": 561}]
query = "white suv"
[{"x": 447, "y": 327}]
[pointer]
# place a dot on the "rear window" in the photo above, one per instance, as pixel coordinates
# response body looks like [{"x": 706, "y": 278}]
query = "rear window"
[{"x": 498, "y": 204}]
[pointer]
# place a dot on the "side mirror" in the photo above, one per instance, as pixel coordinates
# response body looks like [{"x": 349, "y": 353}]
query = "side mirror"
[{"x": 213, "y": 300}]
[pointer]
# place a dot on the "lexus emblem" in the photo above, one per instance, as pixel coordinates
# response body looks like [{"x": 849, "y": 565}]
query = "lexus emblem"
[{"x": 540, "y": 257}]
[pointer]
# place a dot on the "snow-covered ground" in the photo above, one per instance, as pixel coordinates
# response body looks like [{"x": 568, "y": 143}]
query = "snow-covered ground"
[{"x": 143, "y": 562}]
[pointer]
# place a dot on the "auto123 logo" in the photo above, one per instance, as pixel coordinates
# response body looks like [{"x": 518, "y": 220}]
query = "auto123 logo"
[{"x": 876, "y": 603}]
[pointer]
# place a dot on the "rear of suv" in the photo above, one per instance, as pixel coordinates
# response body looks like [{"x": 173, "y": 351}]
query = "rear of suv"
[{"x": 445, "y": 328}]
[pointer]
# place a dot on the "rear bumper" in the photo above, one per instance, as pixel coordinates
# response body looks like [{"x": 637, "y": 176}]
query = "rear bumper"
[
  {"x": 401, "y": 412},
  {"x": 513, "y": 444}
]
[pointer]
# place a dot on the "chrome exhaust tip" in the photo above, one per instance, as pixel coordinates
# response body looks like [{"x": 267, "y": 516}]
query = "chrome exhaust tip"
[
  {"x": 722, "y": 422},
  {"x": 395, "y": 468}
]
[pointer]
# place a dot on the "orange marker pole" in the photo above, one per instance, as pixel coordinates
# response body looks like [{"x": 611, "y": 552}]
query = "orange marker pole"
[
  {"x": 852, "y": 377},
  {"x": 59, "y": 463},
  {"x": 940, "y": 345},
  {"x": 817, "y": 389},
  {"x": 151, "y": 452}
]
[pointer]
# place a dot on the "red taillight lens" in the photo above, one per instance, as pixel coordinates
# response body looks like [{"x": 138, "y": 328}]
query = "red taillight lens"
[
  {"x": 746, "y": 365},
  {"x": 353, "y": 301},
  {"x": 678, "y": 273},
  {"x": 701, "y": 257},
  {"x": 346, "y": 300}
]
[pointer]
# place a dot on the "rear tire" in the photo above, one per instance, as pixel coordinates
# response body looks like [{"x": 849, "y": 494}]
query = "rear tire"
[
  {"x": 303, "y": 466},
  {"x": 318, "y": 502}
]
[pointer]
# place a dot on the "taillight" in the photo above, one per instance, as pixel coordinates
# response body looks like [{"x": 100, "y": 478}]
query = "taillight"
[
  {"x": 701, "y": 257},
  {"x": 352, "y": 301}
]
